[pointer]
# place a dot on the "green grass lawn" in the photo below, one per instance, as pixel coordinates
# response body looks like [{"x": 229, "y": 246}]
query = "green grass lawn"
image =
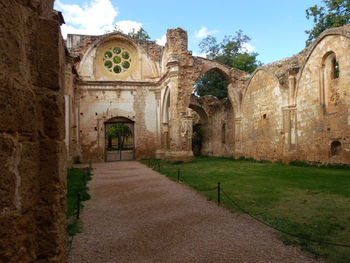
[
  {"x": 77, "y": 179},
  {"x": 307, "y": 201}
]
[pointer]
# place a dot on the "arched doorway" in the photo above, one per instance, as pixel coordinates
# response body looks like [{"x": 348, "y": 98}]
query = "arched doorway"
[{"x": 119, "y": 139}]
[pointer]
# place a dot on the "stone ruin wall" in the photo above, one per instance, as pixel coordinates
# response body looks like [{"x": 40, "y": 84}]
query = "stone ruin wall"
[
  {"x": 307, "y": 110},
  {"x": 139, "y": 104},
  {"x": 99, "y": 98},
  {"x": 291, "y": 109},
  {"x": 264, "y": 116},
  {"x": 32, "y": 154}
]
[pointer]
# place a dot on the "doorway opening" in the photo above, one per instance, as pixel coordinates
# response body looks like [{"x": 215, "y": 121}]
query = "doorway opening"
[{"x": 119, "y": 139}]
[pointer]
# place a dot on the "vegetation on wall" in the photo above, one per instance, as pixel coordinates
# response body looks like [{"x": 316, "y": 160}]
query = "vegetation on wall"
[
  {"x": 140, "y": 34},
  {"x": 330, "y": 13}
]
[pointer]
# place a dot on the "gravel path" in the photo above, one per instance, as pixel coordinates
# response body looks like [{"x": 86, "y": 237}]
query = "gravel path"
[{"x": 138, "y": 215}]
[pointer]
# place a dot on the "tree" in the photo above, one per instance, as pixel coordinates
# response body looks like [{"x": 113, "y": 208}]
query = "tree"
[
  {"x": 246, "y": 62},
  {"x": 140, "y": 34},
  {"x": 231, "y": 52},
  {"x": 120, "y": 131},
  {"x": 212, "y": 83},
  {"x": 332, "y": 13}
]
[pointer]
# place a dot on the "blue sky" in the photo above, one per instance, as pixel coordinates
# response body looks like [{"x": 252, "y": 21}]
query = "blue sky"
[{"x": 276, "y": 27}]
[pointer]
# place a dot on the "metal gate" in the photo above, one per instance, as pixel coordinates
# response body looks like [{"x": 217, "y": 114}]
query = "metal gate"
[{"x": 119, "y": 140}]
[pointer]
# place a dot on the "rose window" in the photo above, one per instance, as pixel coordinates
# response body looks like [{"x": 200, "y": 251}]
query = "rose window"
[{"x": 116, "y": 60}]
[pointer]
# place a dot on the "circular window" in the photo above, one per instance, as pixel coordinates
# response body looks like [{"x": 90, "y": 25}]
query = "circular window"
[{"x": 116, "y": 59}]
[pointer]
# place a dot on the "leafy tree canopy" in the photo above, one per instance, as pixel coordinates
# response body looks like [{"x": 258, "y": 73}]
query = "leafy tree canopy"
[
  {"x": 231, "y": 52},
  {"x": 331, "y": 13},
  {"x": 120, "y": 131},
  {"x": 140, "y": 34}
]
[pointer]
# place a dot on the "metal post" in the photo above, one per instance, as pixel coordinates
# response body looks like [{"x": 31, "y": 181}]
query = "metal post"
[
  {"x": 218, "y": 193},
  {"x": 90, "y": 165},
  {"x": 78, "y": 204},
  {"x": 178, "y": 175}
]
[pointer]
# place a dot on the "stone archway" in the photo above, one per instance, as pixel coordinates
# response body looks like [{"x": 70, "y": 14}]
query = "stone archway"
[
  {"x": 203, "y": 128},
  {"x": 119, "y": 139}
]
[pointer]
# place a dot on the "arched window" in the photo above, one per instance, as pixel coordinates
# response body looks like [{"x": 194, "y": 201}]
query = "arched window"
[
  {"x": 330, "y": 72},
  {"x": 335, "y": 148}
]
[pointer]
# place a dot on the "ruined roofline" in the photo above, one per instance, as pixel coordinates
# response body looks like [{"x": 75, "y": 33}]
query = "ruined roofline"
[
  {"x": 98, "y": 38},
  {"x": 222, "y": 64},
  {"x": 280, "y": 68}
]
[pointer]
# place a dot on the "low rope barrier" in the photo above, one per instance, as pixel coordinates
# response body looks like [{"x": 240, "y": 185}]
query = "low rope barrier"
[
  {"x": 280, "y": 230},
  {"x": 220, "y": 189}
]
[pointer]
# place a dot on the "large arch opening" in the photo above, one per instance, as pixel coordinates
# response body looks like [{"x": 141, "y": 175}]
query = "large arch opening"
[
  {"x": 119, "y": 139},
  {"x": 213, "y": 82}
]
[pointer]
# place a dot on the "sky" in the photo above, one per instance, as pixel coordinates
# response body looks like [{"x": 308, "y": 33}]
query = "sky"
[{"x": 276, "y": 27}]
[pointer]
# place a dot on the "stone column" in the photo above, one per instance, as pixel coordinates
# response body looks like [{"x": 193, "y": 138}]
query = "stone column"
[{"x": 180, "y": 126}]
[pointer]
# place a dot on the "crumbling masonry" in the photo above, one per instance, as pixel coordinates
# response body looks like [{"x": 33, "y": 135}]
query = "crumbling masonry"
[
  {"x": 58, "y": 100},
  {"x": 297, "y": 108}
]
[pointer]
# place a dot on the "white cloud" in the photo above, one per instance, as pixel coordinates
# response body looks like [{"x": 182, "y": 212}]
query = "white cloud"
[
  {"x": 203, "y": 32},
  {"x": 246, "y": 47},
  {"x": 203, "y": 55},
  {"x": 94, "y": 18},
  {"x": 161, "y": 41}
]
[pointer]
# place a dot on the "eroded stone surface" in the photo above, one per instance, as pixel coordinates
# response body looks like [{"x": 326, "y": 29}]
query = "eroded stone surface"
[
  {"x": 289, "y": 109},
  {"x": 32, "y": 154}
]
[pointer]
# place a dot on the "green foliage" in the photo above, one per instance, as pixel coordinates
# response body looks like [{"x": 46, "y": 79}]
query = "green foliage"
[
  {"x": 120, "y": 131},
  {"x": 140, "y": 34},
  {"x": 246, "y": 62},
  {"x": 76, "y": 183},
  {"x": 307, "y": 201},
  {"x": 231, "y": 52},
  {"x": 212, "y": 83},
  {"x": 331, "y": 13}
]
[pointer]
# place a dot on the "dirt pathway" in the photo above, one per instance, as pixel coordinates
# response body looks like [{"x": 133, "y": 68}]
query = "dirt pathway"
[{"x": 138, "y": 215}]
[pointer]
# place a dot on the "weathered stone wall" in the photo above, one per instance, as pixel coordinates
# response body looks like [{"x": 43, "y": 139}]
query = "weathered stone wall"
[
  {"x": 306, "y": 105},
  {"x": 223, "y": 142},
  {"x": 262, "y": 127},
  {"x": 101, "y": 95},
  {"x": 32, "y": 151},
  {"x": 264, "y": 116},
  {"x": 323, "y": 103},
  {"x": 98, "y": 104}
]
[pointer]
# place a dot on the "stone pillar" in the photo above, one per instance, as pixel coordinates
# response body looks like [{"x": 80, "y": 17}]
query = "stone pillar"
[
  {"x": 180, "y": 126},
  {"x": 292, "y": 85},
  {"x": 238, "y": 139}
]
